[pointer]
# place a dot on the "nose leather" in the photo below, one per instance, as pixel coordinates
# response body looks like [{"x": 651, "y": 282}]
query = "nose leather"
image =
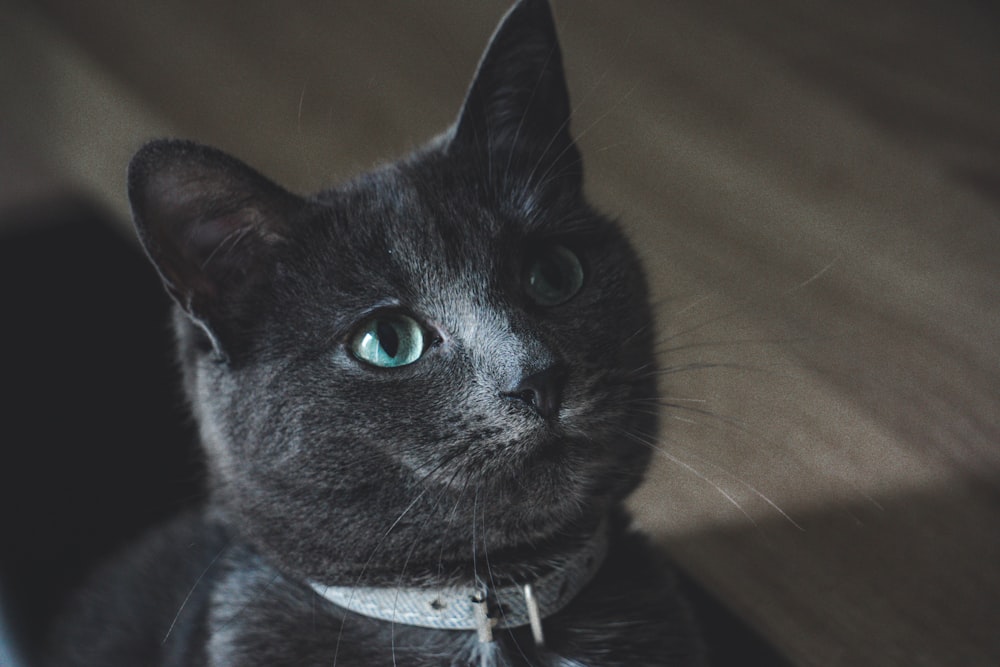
[{"x": 541, "y": 391}]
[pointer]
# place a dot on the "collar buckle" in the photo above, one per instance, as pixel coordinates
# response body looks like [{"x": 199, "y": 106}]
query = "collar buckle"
[{"x": 485, "y": 622}]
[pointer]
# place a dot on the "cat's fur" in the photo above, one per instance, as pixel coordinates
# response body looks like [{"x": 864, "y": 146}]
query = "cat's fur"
[{"x": 330, "y": 470}]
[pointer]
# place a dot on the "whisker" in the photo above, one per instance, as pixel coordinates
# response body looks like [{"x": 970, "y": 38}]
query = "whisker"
[
  {"x": 754, "y": 490},
  {"x": 727, "y": 420},
  {"x": 730, "y": 421},
  {"x": 653, "y": 405},
  {"x": 701, "y": 325},
  {"x": 635, "y": 334},
  {"x": 681, "y": 419},
  {"x": 770, "y": 502},
  {"x": 701, "y": 366},
  {"x": 579, "y": 135},
  {"x": 815, "y": 276},
  {"x": 683, "y": 400},
  {"x": 193, "y": 588},
  {"x": 298, "y": 117},
  {"x": 732, "y": 343},
  {"x": 692, "y": 305},
  {"x": 691, "y": 469}
]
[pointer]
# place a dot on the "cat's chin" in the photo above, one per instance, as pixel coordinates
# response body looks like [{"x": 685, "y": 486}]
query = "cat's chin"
[{"x": 549, "y": 485}]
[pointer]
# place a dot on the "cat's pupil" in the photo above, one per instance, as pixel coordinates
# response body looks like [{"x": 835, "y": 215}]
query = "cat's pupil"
[
  {"x": 551, "y": 274},
  {"x": 387, "y": 337},
  {"x": 388, "y": 340},
  {"x": 554, "y": 276}
]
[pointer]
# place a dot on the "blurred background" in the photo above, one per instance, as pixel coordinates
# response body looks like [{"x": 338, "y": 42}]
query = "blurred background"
[{"x": 815, "y": 188}]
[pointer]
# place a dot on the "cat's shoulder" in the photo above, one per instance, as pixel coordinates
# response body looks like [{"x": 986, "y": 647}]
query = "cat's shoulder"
[{"x": 147, "y": 605}]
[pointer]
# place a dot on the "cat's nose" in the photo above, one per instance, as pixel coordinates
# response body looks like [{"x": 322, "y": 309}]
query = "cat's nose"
[{"x": 541, "y": 391}]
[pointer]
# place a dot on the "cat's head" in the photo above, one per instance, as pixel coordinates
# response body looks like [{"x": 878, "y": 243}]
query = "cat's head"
[{"x": 454, "y": 348}]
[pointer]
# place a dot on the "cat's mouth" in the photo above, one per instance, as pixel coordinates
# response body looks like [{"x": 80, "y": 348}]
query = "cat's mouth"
[{"x": 538, "y": 478}]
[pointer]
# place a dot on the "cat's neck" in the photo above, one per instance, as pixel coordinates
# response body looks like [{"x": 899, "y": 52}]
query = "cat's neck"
[{"x": 485, "y": 601}]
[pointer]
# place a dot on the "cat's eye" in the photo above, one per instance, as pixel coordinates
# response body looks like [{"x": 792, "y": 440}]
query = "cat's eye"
[
  {"x": 553, "y": 276},
  {"x": 388, "y": 340}
]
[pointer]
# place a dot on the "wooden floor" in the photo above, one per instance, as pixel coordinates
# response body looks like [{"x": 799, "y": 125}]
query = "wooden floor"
[{"x": 815, "y": 188}]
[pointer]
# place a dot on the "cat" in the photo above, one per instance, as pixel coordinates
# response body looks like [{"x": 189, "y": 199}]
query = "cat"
[{"x": 423, "y": 396}]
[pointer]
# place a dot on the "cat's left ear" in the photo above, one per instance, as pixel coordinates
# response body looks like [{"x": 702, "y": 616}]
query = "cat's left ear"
[
  {"x": 518, "y": 103},
  {"x": 213, "y": 227}
]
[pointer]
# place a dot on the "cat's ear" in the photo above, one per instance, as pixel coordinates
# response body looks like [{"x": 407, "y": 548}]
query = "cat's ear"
[
  {"x": 212, "y": 226},
  {"x": 518, "y": 102}
]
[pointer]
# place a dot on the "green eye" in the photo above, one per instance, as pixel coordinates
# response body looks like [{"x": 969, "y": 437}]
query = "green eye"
[
  {"x": 389, "y": 341},
  {"x": 554, "y": 276}
]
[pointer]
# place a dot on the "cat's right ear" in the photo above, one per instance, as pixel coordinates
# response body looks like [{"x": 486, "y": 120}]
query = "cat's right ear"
[{"x": 213, "y": 228}]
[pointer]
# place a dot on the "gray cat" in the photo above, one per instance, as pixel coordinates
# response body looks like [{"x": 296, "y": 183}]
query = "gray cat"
[{"x": 423, "y": 396}]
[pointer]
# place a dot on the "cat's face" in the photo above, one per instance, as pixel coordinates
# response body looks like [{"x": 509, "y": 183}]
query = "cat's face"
[{"x": 451, "y": 353}]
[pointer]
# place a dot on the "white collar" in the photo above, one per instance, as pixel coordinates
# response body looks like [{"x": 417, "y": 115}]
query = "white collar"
[{"x": 478, "y": 607}]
